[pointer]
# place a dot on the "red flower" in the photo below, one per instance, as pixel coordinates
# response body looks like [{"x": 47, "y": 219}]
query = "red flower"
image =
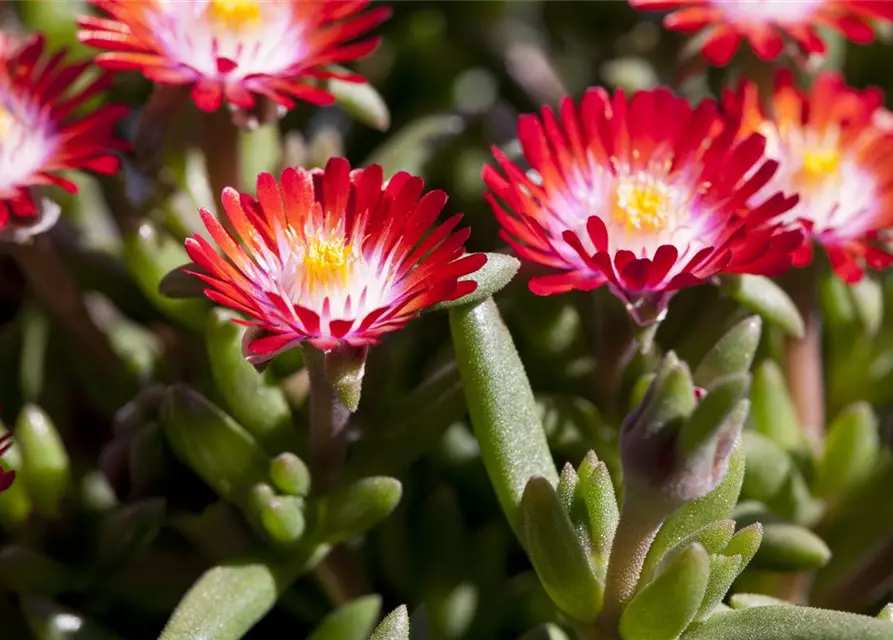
[
  {"x": 234, "y": 49},
  {"x": 834, "y": 150},
  {"x": 769, "y": 24},
  {"x": 6, "y": 477},
  {"x": 647, "y": 195},
  {"x": 333, "y": 257},
  {"x": 41, "y": 135}
]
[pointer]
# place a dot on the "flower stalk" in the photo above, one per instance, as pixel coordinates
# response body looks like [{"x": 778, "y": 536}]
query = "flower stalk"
[{"x": 328, "y": 422}]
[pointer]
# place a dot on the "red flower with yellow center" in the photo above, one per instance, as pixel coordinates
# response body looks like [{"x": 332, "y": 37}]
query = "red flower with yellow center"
[
  {"x": 234, "y": 50},
  {"x": 333, "y": 257},
  {"x": 646, "y": 195},
  {"x": 41, "y": 133},
  {"x": 769, "y": 24},
  {"x": 833, "y": 151}
]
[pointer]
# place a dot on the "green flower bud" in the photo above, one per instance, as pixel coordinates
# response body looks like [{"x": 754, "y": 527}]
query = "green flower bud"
[{"x": 290, "y": 475}]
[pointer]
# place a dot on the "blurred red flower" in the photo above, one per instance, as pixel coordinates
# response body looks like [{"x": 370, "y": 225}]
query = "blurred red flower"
[
  {"x": 769, "y": 24},
  {"x": 333, "y": 257},
  {"x": 832, "y": 149},
  {"x": 41, "y": 132},
  {"x": 235, "y": 50},
  {"x": 645, "y": 195}
]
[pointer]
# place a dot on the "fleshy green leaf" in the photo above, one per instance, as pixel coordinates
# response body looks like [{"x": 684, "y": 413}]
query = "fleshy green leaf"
[
  {"x": 556, "y": 553},
  {"x": 547, "y": 631},
  {"x": 48, "y": 621},
  {"x": 732, "y": 354},
  {"x": 787, "y": 622},
  {"x": 212, "y": 444},
  {"x": 762, "y": 296},
  {"x": 712, "y": 537},
  {"x": 355, "y": 509},
  {"x": 261, "y": 408},
  {"x": 667, "y": 605},
  {"x": 150, "y": 255},
  {"x": 46, "y": 469},
  {"x": 411, "y": 147},
  {"x": 886, "y": 613},
  {"x": 497, "y": 272},
  {"x": 868, "y": 300},
  {"x": 290, "y": 475},
  {"x": 745, "y": 543},
  {"x": 501, "y": 404},
  {"x": 788, "y": 547},
  {"x": 772, "y": 411},
  {"x": 229, "y": 599},
  {"x": 768, "y": 467},
  {"x": 29, "y": 572},
  {"x": 360, "y": 100},
  {"x": 750, "y": 600},
  {"x": 850, "y": 451},
  {"x": 394, "y": 627},
  {"x": 723, "y": 571},
  {"x": 597, "y": 493},
  {"x": 716, "y": 505},
  {"x": 352, "y": 621}
]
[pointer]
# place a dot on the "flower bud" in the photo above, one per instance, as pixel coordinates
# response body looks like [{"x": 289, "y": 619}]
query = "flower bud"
[{"x": 675, "y": 449}]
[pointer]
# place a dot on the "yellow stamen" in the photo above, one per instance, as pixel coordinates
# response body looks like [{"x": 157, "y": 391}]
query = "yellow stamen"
[
  {"x": 641, "y": 205},
  {"x": 327, "y": 262},
  {"x": 6, "y": 122},
  {"x": 235, "y": 15},
  {"x": 818, "y": 165}
]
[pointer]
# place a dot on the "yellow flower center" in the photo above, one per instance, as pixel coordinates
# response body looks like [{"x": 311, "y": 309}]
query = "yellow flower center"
[
  {"x": 327, "y": 262},
  {"x": 235, "y": 15},
  {"x": 818, "y": 165},
  {"x": 7, "y": 120},
  {"x": 641, "y": 205}
]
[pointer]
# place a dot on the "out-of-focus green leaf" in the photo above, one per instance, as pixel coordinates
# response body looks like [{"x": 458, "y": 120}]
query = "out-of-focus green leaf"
[
  {"x": 260, "y": 407},
  {"x": 411, "y": 147},
  {"x": 29, "y": 572},
  {"x": 46, "y": 469},
  {"x": 851, "y": 449},
  {"x": 355, "y": 509},
  {"x": 150, "y": 255},
  {"x": 360, "y": 100},
  {"x": 212, "y": 444},
  {"x": 352, "y": 621},
  {"x": 788, "y": 547},
  {"x": 772, "y": 410},
  {"x": 764, "y": 297}
]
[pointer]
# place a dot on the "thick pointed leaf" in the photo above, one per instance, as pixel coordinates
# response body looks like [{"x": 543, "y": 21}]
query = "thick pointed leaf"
[
  {"x": 352, "y": 621},
  {"x": 732, "y": 354},
  {"x": 762, "y": 296},
  {"x": 556, "y": 553},
  {"x": 772, "y": 410},
  {"x": 361, "y": 100},
  {"x": 787, "y": 622},
  {"x": 501, "y": 404},
  {"x": 355, "y": 509},
  {"x": 851, "y": 449},
  {"x": 497, "y": 272},
  {"x": 394, "y": 627},
  {"x": 666, "y": 606},
  {"x": 723, "y": 571}
]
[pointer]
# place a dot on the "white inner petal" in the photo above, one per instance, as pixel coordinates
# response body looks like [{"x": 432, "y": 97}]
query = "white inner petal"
[
  {"x": 842, "y": 199},
  {"x": 194, "y": 34},
  {"x": 26, "y": 142},
  {"x": 762, "y": 11},
  {"x": 642, "y": 209}
]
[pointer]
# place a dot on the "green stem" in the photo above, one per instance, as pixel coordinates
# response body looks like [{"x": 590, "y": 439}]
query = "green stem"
[
  {"x": 328, "y": 422},
  {"x": 220, "y": 143},
  {"x": 635, "y": 532},
  {"x": 804, "y": 366}
]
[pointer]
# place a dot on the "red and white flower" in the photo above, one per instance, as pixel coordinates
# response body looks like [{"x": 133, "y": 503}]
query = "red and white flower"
[
  {"x": 333, "y": 257},
  {"x": 235, "y": 50},
  {"x": 769, "y": 24},
  {"x": 833, "y": 150},
  {"x": 646, "y": 195},
  {"x": 42, "y": 133}
]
